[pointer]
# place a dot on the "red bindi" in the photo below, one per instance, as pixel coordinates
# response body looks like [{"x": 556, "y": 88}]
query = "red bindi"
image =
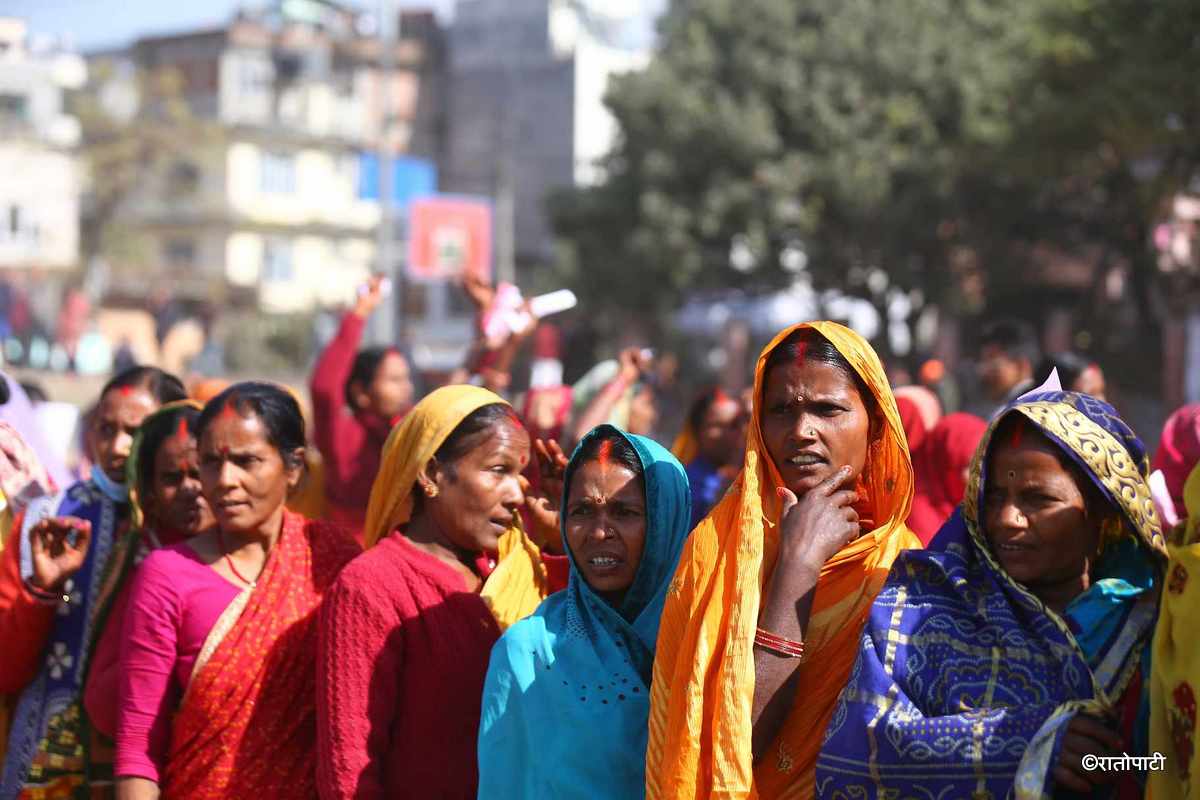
[
  {"x": 719, "y": 396},
  {"x": 604, "y": 455},
  {"x": 125, "y": 391}
]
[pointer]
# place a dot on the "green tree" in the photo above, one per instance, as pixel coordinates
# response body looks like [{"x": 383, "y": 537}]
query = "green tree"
[{"x": 943, "y": 141}]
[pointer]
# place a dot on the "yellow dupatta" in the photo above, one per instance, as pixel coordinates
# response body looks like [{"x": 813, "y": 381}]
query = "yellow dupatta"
[
  {"x": 519, "y": 582},
  {"x": 1175, "y": 661},
  {"x": 703, "y": 689}
]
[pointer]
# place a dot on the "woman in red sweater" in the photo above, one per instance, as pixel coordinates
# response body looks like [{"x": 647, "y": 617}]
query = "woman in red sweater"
[
  {"x": 357, "y": 399},
  {"x": 406, "y": 630}
]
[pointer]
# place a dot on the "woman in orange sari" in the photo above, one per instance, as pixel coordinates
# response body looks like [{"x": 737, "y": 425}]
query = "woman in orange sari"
[
  {"x": 763, "y": 619},
  {"x": 218, "y": 662}
]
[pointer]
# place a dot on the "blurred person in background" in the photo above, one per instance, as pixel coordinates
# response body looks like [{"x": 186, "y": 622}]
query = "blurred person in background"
[
  {"x": 72, "y": 322},
  {"x": 407, "y": 628},
  {"x": 48, "y": 428},
  {"x": 920, "y": 410},
  {"x": 1178, "y": 453},
  {"x": 50, "y": 587},
  {"x": 941, "y": 466},
  {"x": 1008, "y": 351},
  {"x": 710, "y": 447},
  {"x": 621, "y": 393},
  {"x": 357, "y": 398},
  {"x": 1075, "y": 374},
  {"x": 218, "y": 659},
  {"x": 166, "y": 507}
]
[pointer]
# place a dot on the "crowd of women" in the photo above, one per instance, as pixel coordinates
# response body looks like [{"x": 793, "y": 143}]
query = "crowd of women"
[{"x": 824, "y": 591}]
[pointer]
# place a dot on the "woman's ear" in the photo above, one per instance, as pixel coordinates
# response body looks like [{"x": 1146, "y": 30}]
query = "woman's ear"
[
  {"x": 293, "y": 465},
  {"x": 427, "y": 477},
  {"x": 359, "y": 397}
]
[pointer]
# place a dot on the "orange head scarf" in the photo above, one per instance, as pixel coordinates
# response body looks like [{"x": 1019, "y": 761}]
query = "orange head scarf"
[{"x": 703, "y": 689}]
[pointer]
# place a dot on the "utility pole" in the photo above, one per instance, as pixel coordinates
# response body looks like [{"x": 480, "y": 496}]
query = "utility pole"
[
  {"x": 385, "y": 322},
  {"x": 505, "y": 212}
]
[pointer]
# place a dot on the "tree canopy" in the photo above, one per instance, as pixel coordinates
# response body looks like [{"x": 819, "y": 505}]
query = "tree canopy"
[{"x": 941, "y": 141}]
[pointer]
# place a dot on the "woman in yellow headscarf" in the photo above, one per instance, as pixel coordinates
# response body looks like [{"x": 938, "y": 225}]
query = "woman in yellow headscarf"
[
  {"x": 1175, "y": 676},
  {"x": 406, "y": 631},
  {"x": 763, "y": 618}
]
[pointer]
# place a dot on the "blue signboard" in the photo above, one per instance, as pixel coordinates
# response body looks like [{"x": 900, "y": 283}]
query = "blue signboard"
[{"x": 411, "y": 178}]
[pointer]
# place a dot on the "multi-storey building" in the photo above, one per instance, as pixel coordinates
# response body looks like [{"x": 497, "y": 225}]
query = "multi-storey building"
[
  {"x": 272, "y": 205},
  {"x": 526, "y": 113},
  {"x": 39, "y": 192}
]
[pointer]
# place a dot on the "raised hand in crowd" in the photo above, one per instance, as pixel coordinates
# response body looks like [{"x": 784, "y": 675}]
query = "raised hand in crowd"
[
  {"x": 370, "y": 299},
  {"x": 544, "y": 504},
  {"x": 59, "y": 546}
]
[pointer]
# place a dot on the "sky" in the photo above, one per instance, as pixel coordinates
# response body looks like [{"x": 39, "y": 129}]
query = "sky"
[{"x": 98, "y": 24}]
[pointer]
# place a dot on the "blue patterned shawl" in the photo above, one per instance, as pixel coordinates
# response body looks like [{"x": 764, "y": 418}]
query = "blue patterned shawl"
[
  {"x": 966, "y": 681},
  {"x": 567, "y": 698},
  {"x": 49, "y": 743}
]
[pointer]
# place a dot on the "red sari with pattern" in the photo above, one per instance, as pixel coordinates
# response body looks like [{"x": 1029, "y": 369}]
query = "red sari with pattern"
[{"x": 247, "y": 723}]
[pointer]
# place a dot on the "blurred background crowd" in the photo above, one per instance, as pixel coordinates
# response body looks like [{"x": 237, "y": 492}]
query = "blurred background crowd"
[{"x": 205, "y": 189}]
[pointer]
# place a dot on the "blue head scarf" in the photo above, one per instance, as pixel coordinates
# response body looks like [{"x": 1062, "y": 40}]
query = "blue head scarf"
[{"x": 566, "y": 702}]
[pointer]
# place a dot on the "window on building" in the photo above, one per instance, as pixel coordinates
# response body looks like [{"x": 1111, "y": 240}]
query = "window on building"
[
  {"x": 179, "y": 252},
  {"x": 278, "y": 173},
  {"x": 183, "y": 179},
  {"x": 17, "y": 225},
  {"x": 277, "y": 261},
  {"x": 13, "y": 107}
]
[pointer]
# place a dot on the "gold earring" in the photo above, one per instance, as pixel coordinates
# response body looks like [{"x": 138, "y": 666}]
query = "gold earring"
[
  {"x": 431, "y": 491},
  {"x": 1111, "y": 532}
]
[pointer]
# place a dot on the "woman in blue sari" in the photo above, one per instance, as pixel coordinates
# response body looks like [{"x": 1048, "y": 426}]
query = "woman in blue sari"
[
  {"x": 566, "y": 701},
  {"x": 1003, "y": 659}
]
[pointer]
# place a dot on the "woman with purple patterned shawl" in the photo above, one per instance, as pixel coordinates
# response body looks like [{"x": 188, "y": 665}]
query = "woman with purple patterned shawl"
[{"x": 966, "y": 682}]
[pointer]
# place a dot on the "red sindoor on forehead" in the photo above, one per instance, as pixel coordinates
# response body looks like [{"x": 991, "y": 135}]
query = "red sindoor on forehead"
[
  {"x": 229, "y": 409},
  {"x": 181, "y": 432},
  {"x": 125, "y": 391},
  {"x": 604, "y": 455},
  {"x": 801, "y": 352},
  {"x": 1018, "y": 432}
]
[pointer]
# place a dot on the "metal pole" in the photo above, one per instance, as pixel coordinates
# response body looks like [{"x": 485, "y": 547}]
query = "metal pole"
[{"x": 384, "y": 321}]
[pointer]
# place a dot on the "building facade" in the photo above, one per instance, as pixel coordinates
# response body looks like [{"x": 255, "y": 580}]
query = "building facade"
[
  {"x": 526, "y": 80},
  {"x": 270, "y": 205},
  {"x": 39, "y": 193}
]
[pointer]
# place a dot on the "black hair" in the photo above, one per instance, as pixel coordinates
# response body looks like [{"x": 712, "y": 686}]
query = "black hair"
[
  {"x": 472, "y": 431},
  {"x": 810, "y": 345},
  {"x": 1069, "y": 365},
  {"x": 621, "y": 452},
  {"x": 162, "y": 386},
  {"x": 275, "y": 408},
  {"x": 33, "y": 391},
  {"x": 366, "y": 365},
  {"x": 155, "y": 431},
  {"x": 701, "y": 405},
  {"x": 1015, "y": 337}
]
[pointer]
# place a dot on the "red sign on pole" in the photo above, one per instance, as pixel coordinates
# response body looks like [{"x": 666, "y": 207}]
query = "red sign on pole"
[{"x": 449, "y": 236}]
